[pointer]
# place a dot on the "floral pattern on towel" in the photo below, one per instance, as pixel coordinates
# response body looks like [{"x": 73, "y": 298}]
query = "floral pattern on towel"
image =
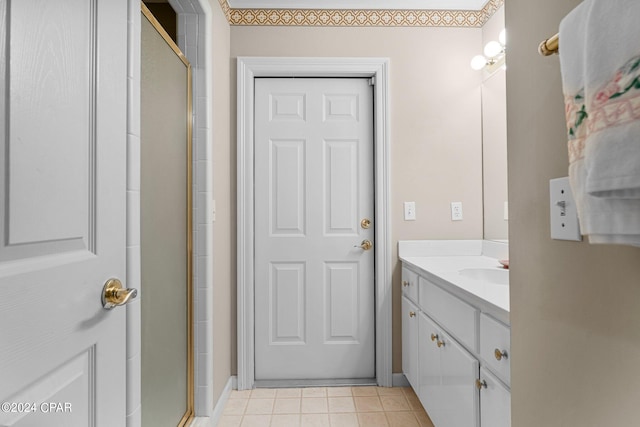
[
  {"x": 615, "y": 103},
  {"x": 576, "y": 115},
  {"x": 625, "y": 80}
]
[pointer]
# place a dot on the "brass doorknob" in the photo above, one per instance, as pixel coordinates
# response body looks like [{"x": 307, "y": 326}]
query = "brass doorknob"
[
  {"x": 113, "y": 294},
  {"x": 366, "y": 245},
  {"x": 499, "y": 354},
  {"x": 412, "y": 314},
  {"x": 480, "y": 384},
  {"x": 440, "y": 344},
  {"x": 434, "y": 337}
]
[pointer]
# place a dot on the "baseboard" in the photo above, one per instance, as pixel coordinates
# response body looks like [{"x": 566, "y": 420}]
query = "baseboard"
[
  {"x": 222, "y": 401},
  {"x": 201, "y": 422},
  {"x": 314, "y": 383},
  {"x": 399, "y": 380}
]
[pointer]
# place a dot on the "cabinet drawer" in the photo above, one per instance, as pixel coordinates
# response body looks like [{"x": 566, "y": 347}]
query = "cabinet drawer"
[
  {"x": 495, "y": 346},
  {"x": 458, "y": 317},
  {"x": 410, "y": 284}
]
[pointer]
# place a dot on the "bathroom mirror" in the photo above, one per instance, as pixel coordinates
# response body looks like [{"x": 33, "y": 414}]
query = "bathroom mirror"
[
  {"x": 494, "y": 157},
  {"x": 494, "y": 141}
]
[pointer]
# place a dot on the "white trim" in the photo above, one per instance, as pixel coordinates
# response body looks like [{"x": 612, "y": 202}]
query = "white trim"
[
  {"x": 132, "y": 280},
  {"x": 222, "y": 401},
  {"x": 194, "y": 38},
  {"x": 399, "y": 380},
  {"x": 218, "y": 410},
  {"x": 202, "y": 422},
  {"x": 250, "y": 68}
]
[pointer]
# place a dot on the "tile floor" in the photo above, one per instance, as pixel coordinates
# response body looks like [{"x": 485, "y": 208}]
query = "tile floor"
[{"x": 325, "y": 406}]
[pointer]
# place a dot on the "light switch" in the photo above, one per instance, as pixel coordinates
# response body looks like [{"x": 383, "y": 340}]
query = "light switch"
[
  {"x": 409, "y": 211},
  {"x": 564, "y": 215}
]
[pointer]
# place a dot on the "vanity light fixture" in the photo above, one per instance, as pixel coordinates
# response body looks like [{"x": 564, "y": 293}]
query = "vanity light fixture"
[{"x": 494, "y": 53}]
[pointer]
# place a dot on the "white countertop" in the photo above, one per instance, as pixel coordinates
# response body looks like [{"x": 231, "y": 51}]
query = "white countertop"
[{"x": 445, "y": 271}]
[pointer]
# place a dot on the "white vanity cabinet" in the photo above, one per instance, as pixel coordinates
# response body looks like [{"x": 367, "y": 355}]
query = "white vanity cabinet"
[
  {"x": 458, "y": 317},
  {"x": 447, "y": 378},
  {"x": 495, "y": 346},
  {"x": 410, "y": 325},
  {"x": 455, "y": 355},
  {"x": 410, "y": 340},
  {"x": 410, "y": 284},
  {"x": 495, "y": 398}
]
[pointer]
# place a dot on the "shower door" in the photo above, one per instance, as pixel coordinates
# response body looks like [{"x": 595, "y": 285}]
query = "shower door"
[{"x": 165, "y": 200}]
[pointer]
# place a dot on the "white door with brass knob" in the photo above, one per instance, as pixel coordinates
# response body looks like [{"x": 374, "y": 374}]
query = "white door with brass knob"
[
  {"x": 63, "y": 212},
  {"x": 314, "y": 229}
]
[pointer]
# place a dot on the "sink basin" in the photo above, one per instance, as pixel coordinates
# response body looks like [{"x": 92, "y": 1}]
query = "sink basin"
[{"x": 497, "y": 276}]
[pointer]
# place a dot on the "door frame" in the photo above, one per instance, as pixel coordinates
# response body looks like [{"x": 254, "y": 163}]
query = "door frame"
[{"x": 250, "y": 68}]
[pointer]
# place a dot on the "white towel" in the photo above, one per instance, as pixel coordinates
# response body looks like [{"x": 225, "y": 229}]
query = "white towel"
[
  {"x": 600, "y": 61},
  {"x": 612, "y": 87}
]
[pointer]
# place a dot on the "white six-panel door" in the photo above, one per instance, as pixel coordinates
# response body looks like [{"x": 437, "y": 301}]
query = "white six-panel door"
[
  {"x": 62, "y": 211},
  {"x": 314, "y": 284}
]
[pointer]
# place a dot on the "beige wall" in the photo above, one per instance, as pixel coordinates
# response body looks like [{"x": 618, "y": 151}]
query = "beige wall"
[
  {"x": 575, "y": 307},
  {"x": 435, "y": 120},
  {"x": 224, "y": 272}
]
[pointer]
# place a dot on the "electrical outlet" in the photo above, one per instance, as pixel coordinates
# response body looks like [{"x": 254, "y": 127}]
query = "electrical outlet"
[
  {"x": 409, "y": 211},
  {"x": 456, "y": 211}
]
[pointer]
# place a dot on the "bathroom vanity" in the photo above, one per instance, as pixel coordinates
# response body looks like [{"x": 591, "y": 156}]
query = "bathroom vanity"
[{"x": 455, "y": 330}]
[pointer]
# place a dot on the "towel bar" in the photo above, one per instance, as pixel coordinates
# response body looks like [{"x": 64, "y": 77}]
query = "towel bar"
[{"x": 549, "y": 46}]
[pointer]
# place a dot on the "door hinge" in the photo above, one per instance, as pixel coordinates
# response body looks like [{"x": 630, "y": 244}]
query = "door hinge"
[{"x": 372, "y": 81}]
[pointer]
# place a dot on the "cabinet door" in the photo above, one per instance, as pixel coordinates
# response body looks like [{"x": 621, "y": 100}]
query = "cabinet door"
[
  {"x": 495, "y": 402},
  {"x": 410, "y": 341},
  {"x": 410, "y": 284},
  {"x": 460, "y": 397},
  {"x": 430, "y": 379}
]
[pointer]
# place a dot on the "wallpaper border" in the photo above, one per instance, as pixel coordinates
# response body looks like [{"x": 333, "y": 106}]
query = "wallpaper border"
[{"x": 360, "y": 17}]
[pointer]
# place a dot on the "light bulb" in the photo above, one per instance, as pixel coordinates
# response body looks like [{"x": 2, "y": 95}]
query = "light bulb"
[
  {"x": 502, "y": 38},
  {"x": 492, "y": 49},
  {"x": 478, "y": 62}
]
